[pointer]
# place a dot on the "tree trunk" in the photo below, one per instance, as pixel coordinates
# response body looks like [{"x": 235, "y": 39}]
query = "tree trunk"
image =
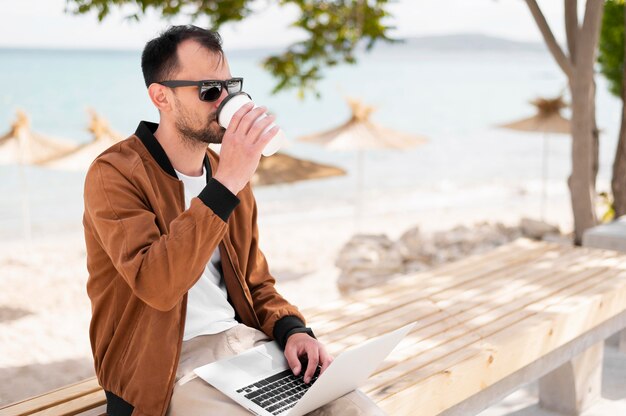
[
  {"x": 578, "y": 67},
  {"x": 581, "y": 181},
  {"x": 584, "y": 130},
  {"x": 618, "y": 183},
  {"x": 595, "y": 133}
]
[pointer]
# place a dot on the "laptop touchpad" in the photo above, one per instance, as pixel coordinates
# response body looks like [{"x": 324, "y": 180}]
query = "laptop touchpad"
[{"x": 255, "y": 363}]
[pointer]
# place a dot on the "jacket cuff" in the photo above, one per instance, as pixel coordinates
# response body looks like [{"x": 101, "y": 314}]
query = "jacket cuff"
[
  {"x": 287, "y": 326},
  {"x": 219, "y": 198}
]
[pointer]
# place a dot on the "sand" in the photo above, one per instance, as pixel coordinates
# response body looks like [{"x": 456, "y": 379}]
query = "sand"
[{"x": 44, "y": 310}]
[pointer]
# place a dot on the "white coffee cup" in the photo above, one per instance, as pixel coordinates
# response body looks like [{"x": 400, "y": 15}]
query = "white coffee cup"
[{"x": 234, "y": 102}]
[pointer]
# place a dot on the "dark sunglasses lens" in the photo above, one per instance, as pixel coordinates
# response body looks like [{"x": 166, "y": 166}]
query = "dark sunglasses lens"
[
  {"x": 211, "y": 93},
  {"x": 233, "y": 86}
]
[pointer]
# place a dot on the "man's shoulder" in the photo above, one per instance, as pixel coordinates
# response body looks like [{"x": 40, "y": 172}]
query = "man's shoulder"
[
  {"x": 118, "y": 161},
  {"x": 122, "y": 156}
]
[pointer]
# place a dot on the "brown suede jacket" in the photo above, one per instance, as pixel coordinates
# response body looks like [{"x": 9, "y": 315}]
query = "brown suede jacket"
[{"x": 145, "y": 251}]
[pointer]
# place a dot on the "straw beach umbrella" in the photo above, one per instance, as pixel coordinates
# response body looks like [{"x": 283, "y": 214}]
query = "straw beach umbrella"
[
  {"x": 282, "y": 168},
  {"x": 548, "y": 119},
  {"x": 80, "y": 158},
  {"x": 21, "y": 146},
  {"x": 360, "y": 134}
]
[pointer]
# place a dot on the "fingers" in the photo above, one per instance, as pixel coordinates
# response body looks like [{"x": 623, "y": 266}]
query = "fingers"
[
  {"x": 291, "y": 354},
  {"x": 236, "y": 119},
  {"x": 258, "y": 128},
  {"x": 314, "y": 359},
  {"x": 249, "y": 119},
  {"x": 325, "y": 359}
]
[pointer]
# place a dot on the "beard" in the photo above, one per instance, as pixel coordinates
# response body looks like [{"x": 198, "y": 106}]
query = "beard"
[{"x": 210, "y": 132}]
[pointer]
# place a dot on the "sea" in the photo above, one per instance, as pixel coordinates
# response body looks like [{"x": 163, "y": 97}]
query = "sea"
[{"x": 455, "y": 96}]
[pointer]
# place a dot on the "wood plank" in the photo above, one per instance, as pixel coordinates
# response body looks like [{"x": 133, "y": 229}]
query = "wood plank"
[
  {"x": 539, "y": 336},
  {"x": 96, "y": 411},
  {"x": 400, "y": 316},
  {"x": 562, "y": 322},
  {"x": 565, "y": 301},
  {"x": 76, "y": 406},
  {"x": 542, "y": 267},
  {"x": 38, "y": 403},
  {"x": 409, "y": 368},
  {"x": 487, "y": 367},
  {"x": 529, "y": 344},
  {"x": 432, "y": 394},
  {"x": 507, "y": 385},
  {"x": 480, "y": 303},
  {"x": 475, "y": 313}
]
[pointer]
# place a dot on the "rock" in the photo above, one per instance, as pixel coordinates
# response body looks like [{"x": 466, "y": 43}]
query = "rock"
[
  {"x": 367, "y": 260},
  {"x": 370, "y": 260},
  {"x": 415, "y": 266},
  {"x": 411, "y": 244},
  {"x": 537, "y": 229},
  {"x": 419, "y": 251}
]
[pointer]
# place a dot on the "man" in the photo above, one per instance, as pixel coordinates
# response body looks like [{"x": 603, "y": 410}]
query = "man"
[{"x": 176, "y": 277}]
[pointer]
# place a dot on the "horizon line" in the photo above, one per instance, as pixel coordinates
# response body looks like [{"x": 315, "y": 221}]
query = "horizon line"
[{"x": 57, "y": 48}]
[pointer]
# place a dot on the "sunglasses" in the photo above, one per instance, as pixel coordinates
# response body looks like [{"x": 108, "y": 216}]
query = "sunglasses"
[{"x": 208, "y": 90}]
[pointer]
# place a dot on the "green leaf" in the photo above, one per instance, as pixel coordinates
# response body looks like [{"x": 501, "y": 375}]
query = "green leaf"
[{"x": 611, "y": 45}]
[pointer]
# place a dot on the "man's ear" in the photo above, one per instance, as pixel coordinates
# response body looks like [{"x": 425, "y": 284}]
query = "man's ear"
[{"x": 161, "y": 97}]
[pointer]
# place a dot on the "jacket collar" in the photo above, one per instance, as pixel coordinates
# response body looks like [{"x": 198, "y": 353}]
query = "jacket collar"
[{"x": 145, "y": 132}]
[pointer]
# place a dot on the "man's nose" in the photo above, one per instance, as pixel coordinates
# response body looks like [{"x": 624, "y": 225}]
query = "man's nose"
[{"x": 221, "y": 98}]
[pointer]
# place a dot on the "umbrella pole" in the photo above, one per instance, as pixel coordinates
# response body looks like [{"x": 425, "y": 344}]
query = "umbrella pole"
[
  {"x": 544, "y": 177},
  {"x": 359, "y": 194},
  {"x": 26, "y": 224}
]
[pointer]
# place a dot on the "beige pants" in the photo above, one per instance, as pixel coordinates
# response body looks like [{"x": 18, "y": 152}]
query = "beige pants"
[{"x": 193, "y": 396}]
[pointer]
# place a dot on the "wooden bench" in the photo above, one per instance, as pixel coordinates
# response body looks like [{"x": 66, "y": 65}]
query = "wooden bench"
[{"x": 486, "y": 325}]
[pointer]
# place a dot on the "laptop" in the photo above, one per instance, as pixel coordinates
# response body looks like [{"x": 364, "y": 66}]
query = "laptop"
[{"x": 261, "y": 381}]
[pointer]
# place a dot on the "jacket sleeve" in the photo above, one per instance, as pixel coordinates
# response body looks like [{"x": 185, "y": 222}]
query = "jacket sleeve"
[
  {"x": 278, "y": 317},
  {"x": 159, "y": 267}
]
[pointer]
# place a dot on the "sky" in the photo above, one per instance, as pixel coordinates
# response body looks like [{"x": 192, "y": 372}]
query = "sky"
[{"x": 45, "y": 24}]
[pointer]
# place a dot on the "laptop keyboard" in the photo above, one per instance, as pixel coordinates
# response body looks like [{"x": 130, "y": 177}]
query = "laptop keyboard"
[{"x": 280, "y": 392}]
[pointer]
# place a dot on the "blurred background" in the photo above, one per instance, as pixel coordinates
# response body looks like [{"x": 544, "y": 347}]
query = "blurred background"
[{"x": 462, "y": 71}]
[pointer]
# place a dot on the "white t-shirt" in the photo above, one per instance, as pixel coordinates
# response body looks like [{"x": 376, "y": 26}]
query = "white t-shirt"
[{"x": 208, "y": 310}]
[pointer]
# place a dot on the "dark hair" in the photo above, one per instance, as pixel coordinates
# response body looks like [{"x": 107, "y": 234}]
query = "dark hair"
[{"x": 159, "y": 59}]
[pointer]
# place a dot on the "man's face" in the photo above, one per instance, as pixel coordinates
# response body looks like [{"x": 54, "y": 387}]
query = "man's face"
[{"x": 196, "y": 120}]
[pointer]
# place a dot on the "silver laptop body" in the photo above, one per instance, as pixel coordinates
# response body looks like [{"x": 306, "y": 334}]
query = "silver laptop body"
[{"x": 261, "y": 381}]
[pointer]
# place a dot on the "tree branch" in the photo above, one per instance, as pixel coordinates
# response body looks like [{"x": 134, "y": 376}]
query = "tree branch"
[
  {"x": 590, "y": 32},
  {"x": 561, "y": 59},
  {"x": 571, "y": 26}
]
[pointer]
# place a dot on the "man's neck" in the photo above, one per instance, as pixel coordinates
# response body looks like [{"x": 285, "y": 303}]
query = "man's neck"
[{"x": 187, "y": 158}]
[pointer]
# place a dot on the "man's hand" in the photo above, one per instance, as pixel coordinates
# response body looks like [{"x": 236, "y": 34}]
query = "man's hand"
[
  {"x": 303, "y": 345},
  {"x": 242, "y": 145}
]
